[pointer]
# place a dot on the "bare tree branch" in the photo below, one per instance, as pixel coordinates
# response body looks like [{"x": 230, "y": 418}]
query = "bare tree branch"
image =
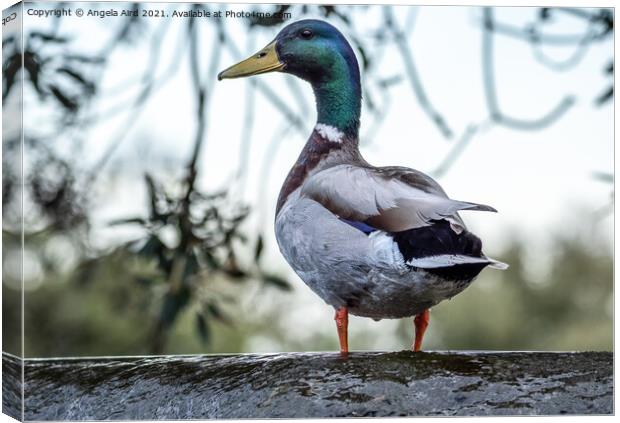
[
  {"x": 296, "y": 121},
  {"x": 412, "y": 73},
  {"x": 560, "y": 66},
  {"x": 145, "y": 80},
  {"x": 459, "y": 147},
  {"x": 203, "y": 97},
  {"x": 136, "y": 109},
  {"x": 532, "y": 34},
  {"x": 246, "y": 132},
  {"x": 490, "y": 87}
]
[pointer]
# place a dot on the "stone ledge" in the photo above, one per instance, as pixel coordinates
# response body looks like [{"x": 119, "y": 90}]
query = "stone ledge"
[{"x": 313, "y": 385}]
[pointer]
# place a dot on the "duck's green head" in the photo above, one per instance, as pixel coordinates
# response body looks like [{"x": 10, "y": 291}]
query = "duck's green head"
[{"x": 318, "y": 53}]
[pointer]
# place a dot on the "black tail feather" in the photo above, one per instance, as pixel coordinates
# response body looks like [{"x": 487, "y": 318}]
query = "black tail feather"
[{"x": 439, "y": 239}]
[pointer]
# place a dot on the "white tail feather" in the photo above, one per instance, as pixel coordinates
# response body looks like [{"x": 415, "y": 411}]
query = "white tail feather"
[
  {"x": 447, "y": 260},
  {"x": 497, "y": 264}
]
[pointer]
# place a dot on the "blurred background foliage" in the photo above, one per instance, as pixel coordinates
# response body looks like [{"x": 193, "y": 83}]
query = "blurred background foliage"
[
  {"x": 195, "y": 280},
  {"x": 569, "y": 309}
]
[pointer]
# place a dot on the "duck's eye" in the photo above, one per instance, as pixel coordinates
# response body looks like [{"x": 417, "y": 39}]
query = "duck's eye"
[{"x": 306, "y": 34}]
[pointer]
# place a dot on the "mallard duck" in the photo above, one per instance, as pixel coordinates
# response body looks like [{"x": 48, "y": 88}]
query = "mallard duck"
[{"x": 378, "y": 242}]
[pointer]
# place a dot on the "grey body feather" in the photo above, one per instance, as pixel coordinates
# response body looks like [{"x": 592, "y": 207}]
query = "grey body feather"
[
  {"x": 393, "y": 199},
  {"x": 345, "y": 267}
]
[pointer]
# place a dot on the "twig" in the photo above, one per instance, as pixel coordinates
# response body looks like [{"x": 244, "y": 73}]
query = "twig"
[
  {"x": 246, "y": 132},
  {"x": 246, "y": 136},
  {"x": 379, "y": 116},
  {"x": 182, "y": 251},
  {"x": 279, "y": 135},
  {"x": 490, "y": 87},
  {"x": 294, "y": 119},
  {"x": 414, "y": 77},
  {"x": 532, "y": 34},
  {"x": 560, "y": 66},
  {"x": 293, "y": 85},
  {"x": 457, "y": 149},
  {"x": 136, "y": 110},
  {"x": 581, "y": 47},
  {"x": 201, "y": 106}
]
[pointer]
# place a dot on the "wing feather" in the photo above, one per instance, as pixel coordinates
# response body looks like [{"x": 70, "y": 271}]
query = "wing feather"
[{"x": 393, "y": 199}]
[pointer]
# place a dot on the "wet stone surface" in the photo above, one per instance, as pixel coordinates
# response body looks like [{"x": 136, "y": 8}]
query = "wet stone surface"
[{"x": 319, "y": 385}]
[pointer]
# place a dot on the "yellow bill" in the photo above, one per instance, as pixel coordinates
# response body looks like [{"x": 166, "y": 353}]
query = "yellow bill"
[{"x": 264, "y": 61}]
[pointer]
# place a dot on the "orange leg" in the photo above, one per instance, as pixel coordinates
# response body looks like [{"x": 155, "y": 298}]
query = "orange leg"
[
  {"x": 342, "y": 323},
  {"x": 421, "y": 323}
]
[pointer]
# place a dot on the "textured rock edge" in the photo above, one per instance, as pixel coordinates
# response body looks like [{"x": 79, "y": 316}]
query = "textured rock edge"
[{"x": 312, "y": 385}]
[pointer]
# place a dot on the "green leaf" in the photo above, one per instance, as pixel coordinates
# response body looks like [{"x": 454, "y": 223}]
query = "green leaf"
[
  {"x": 203, "y": 328},
  {"x": 85, "y": 271},
  {"x": 259, "y": 248},
  {"x": 277, "y": 282},
  {"x": 215, "y": 311},
  {"x": 68, "y": 103},
  {"x": 148, "y": 280},
  {"x": 152, "y": 247},
  {"x": 235, "y": 273},
  {"x": 84, "y": 59},
  {"x": 153, "y": 197},
  {"x": 607, "y": 95},
  {"x": 212, "y": 262},
  {"x": 232, "y": 269},
  {"x": 173, "y": 304},
  {"x": 192, "y": 267},
  {"x": 239, "y": 218},
  {"x": 48, "y": 38},
  {"x": 88, "y": 85},
  {"x": 131, "y": 220}
]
